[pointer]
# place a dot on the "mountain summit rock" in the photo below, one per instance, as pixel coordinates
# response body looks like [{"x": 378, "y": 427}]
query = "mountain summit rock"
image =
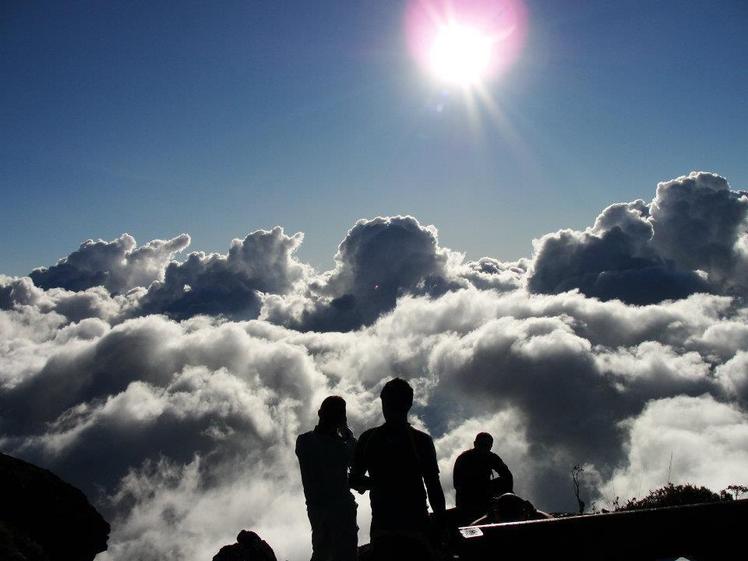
[
  {"x": 45, "y": 519},
  {"x": 248, "y": 547}
]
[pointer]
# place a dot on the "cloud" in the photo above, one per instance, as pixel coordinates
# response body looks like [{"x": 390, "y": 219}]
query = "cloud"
[
  {"x": 488, "y": 273},
  {"x": 708, "y": 442},
  {"x": 174, "y": 401},
  {"x": 541, "y": 367},
  {"x": 733, "y": 376},
  {"x": 173, "y": 497},
  {"x": 698, "y": 222},
  {"x": 118, "y": 265},
  {"x": 378, "y": 261},
  {"x": 231, "y": 284},
  {"x": 95, "y": 302},
  {"x": 119, "y": 413},
  {"x": 686, "y": 240}
]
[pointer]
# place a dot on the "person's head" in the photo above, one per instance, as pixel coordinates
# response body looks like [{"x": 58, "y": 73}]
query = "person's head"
[
  {"x": 332, "y": 412},
  {"x": 483, "y": 441},
  {"x": 397, "y": 398}
]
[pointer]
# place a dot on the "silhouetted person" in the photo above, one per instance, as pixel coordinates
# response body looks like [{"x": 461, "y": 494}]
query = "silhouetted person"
[
  {"x": 399, "y": 460},
  {"x": 324, "y": 457},
  {"x": 473, "y": 481}
]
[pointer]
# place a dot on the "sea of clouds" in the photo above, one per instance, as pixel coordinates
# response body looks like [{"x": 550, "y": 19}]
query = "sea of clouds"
[{"x": 171, "y": 388}]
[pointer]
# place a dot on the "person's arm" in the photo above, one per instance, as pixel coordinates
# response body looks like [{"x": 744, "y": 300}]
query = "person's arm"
[
  {"x": 349, "y": 440},
  {"x": 436, "y": 495},
  {"x": 498, "y": 465},
  {"x": 306, "y": 467},
  {"x": 357, "y": 478},
  {"x": 431, "y": 479},
  {"x": 457, "y": 472}
]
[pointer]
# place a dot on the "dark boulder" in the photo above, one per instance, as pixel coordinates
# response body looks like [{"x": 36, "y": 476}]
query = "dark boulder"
[
  {"x": 42, "y": 518},
  {"x": 248, "y": 547}
]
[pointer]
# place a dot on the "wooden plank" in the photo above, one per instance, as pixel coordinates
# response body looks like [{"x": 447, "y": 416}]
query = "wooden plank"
[{"x": 706, "y": 532}]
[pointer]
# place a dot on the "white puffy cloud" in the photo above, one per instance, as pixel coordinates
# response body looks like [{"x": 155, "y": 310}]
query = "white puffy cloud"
[
  {"x": 17, "y": 293},
  {"x": 733, "y": 376},
  {"x": 174, "y": 397},
  {"x": 689, "y": 239},
  {"x": 174, "y": 514},
  {"x": 699, "y": 222},
  {"x": 707, "y": 441},
  {"x": 118, "y": 265},
  {"x": 488, "y": 273},
  {"x": 230, "y": 285},
  {"x": 378, "y": 261}
]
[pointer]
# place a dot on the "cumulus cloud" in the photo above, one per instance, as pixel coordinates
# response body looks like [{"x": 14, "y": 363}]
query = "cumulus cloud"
[
  {"x": 118, "y": 265},
  {"x": 174, "y": 397},
  {"x": 18, "y": 293},
  {"x": 733, "y": 376},
  {"x": 687, "y": 240},
  {"x": 231, "y": 284},
  {"x": 488, "y": 273},
  {"x": 378, "y": 261},
  {"x": 698, "y": 222}
]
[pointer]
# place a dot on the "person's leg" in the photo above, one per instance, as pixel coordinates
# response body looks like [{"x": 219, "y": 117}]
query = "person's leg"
[
  {"x": 384, "y": 548},
  {"x": 345, "y": 534},
  {"x": 322, "y": 544}
]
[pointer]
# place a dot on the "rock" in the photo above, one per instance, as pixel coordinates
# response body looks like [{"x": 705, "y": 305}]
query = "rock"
[
  {"x": 42, "y": 518},
  {"x": 248, "y": 547}
]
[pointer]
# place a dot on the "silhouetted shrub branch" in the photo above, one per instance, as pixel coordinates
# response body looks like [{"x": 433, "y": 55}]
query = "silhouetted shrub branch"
[{"x": 678, "y": 495}]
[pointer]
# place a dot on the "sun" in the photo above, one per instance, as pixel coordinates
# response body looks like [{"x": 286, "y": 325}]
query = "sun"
[
  {"x": 465, "y": 44},
  {"x": 460, "y": 55}
]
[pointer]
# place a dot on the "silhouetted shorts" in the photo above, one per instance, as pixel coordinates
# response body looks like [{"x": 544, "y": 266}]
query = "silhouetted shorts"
[{"x": 334, "y": 533}]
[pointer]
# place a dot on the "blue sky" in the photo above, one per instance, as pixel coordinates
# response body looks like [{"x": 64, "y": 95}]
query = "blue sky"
[{"x": 157, "y": 118}]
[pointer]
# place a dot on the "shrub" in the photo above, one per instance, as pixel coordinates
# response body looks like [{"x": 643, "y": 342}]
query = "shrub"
[{"x": 672, "y": 495}]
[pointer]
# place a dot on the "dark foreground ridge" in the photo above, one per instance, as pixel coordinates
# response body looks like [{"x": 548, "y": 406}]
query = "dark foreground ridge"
[
  {"x": 42, "y": 518},
  {"x": 704, "y": 532}
]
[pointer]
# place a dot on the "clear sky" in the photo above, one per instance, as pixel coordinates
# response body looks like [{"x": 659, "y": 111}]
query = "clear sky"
[{"x": 218, "y": 118}]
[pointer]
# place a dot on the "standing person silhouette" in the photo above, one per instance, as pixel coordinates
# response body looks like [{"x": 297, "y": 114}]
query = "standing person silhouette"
[
  {"x": 472, "y": 478},
  {"x": 399, "y": 460},
  {"x": 324, "y": 457}
]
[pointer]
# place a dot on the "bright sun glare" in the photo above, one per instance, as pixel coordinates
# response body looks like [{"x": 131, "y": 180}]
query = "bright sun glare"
[
  {"x": 465, "y": 44},
  {"x": 460, "y": 55}
]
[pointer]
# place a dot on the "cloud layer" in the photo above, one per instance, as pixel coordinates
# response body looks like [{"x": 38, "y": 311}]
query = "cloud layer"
[{"x": 172, "y": 391}]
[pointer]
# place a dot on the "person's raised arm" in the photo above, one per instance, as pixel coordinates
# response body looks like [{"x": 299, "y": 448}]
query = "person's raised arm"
[{"x": 349, "y": 440}]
